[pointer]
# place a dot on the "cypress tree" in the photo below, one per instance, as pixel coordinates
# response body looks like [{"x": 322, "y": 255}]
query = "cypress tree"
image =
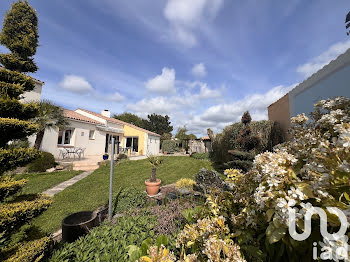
[{"x": 20, "y": 35}]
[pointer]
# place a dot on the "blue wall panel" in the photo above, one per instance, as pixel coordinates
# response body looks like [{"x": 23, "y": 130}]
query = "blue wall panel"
[{"x": 337, "y": 84}]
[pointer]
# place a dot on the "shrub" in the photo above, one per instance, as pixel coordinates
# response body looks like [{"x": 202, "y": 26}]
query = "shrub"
[
  {"x": 269, "y": 132},
  {"x": 12, "y": 158},
  {"x": 169, "y": 217},
  {"x": 185, "y": 183},
  {"x": 122, "y": 156},
  {"x": 42, "y": 163},
  {"x": 14, "y": 214},
  {"x": 128, "y": 198},
  {"x": 200, "y": 155},
  {"x": 9, "y": 186},
  {"x": 169, "y": 146},
  {"x": 31, "y": 251},
  {"x": 311, "y": 170},
  {"x": 108, "y": 242}
]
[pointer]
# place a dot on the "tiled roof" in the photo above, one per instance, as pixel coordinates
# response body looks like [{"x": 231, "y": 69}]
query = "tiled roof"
[
  {"x": 205, "y": 138},
  {"x": 75, "y": 116},
  {"x": 111, "y": 119}
]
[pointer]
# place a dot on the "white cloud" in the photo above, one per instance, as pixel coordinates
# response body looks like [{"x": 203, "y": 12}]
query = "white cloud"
[
  {"x": 320, "y": 61},
  {"x": 207, "y": 93},
  {"x": 186, "y": 16},
  {"x": 199, "y": 70},
  {"x": 163, "y": 83},
  {"x": 256, "y": 103},
  {"x": 116, "y": 97},
  {"x": 76, "y": 84},
  {"x": 158, "y": 105}
]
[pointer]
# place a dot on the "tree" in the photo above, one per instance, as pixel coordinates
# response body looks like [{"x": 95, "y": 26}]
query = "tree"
[
  {"x": 131, "y": 119},
  {"x": 158, "y": 124},
  {"x": 49, "y": 116},
  {"x": 245, "y": 138},
  {"x": 181, "y": 134},
  {"x": 192, "y": 137},
  {"x": 19, "y": 35}
]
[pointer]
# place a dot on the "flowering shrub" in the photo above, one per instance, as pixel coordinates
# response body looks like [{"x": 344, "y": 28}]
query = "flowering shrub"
[{"x": 311, "y": 170}]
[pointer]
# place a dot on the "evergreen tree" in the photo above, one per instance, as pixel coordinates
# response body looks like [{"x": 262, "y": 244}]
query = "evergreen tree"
[{"x": 19, "y": 35}]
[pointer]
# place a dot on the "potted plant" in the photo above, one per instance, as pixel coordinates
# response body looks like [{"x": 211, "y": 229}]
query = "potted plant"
[
  {"x": 153, "y": 184},
  {"x": 105, "y": 156}
]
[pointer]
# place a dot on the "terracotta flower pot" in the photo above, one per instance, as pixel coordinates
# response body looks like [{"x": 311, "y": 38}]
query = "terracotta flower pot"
[{"x": 152, "y": 188}]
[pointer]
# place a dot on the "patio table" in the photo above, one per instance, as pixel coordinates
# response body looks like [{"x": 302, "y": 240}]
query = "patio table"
[{"x": 75, "y": 151}]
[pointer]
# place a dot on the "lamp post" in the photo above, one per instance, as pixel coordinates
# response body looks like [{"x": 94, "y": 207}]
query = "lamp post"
[{"x": 111, "y": 180}]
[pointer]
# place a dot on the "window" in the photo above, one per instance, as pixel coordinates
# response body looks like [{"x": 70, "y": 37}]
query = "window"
[
  {"x": 92, "y": 134},
  {"x": 65, "y": 137}
]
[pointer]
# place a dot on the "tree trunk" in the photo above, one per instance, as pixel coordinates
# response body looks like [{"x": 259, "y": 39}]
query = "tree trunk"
[
  {"x": 39, "y": 139},
  {"x": 153, "y": 175}
]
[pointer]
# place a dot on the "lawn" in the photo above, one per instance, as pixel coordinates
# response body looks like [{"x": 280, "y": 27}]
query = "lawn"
[
  {"x": 92, "y": 192},
  {"x": 39, "y": 182}
]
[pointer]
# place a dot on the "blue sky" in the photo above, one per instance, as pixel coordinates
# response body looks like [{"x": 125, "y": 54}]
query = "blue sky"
[{"x": 203, "y": 62}]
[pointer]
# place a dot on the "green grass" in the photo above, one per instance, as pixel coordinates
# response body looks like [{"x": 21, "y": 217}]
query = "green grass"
[
  {"x": 92, "y": 192},
  {"x": 39, "y": 182}
]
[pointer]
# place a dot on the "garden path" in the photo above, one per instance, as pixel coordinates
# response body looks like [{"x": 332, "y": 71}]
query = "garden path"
[{"x": 60, "y": 187}]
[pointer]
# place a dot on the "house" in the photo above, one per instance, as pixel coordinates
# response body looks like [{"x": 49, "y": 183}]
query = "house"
[
  {"x": 201, "y": 145},
  {"x": 93, "y": 132},
  {"x": 330, "y": 81},
  {"x": 35, "y": 94}
]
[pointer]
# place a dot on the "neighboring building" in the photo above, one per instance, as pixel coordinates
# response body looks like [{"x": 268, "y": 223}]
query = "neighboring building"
[
  {"x": 35, "y": 94},
  {"x": 330, "y": 81},
  {"x": 93, "y": 132},
  {"x": 201, "y": 145}
]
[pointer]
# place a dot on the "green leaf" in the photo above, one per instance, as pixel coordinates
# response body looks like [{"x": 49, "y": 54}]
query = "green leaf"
[
  {"x": 269, "y": 214},
  {"x": 305, "y": 188},
  {"x": 275, "y": 234}
]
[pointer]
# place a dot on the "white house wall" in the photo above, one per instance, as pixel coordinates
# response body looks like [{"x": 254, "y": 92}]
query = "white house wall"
[
  {"x": 80, "y": 138},
  {"x": 34, "y": 95}
]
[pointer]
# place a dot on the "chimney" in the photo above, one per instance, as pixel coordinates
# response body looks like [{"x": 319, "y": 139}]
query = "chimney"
[{"x": 106, "y": 113}]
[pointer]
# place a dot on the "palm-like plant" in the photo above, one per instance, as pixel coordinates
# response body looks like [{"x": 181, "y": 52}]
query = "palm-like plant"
[
  {"x": 154, "y": 161},
  {"x": 49, "y": 116}
]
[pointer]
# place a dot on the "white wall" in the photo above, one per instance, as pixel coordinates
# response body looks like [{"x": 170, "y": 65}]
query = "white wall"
[
  {"x": 80, "y": 138},
  {"x": 153, "y": 144},
  {"x": 34, "y": 95}
]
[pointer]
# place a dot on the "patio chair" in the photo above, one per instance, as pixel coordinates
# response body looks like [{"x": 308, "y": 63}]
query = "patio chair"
[
  {"x": 80, "y": 152},
  {"x": 63, "y": 152}
]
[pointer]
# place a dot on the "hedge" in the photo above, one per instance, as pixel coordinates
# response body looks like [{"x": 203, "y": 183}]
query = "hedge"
[
  {"x": 31, "y": 251},
  {"x": 15, "y": 214},
  {"x": 169, "y": 146},
  {"x": 200, "y": 155},
  {"x": 43, "y": 162},
  {"x": 269, "y": 132},
  {"x": 10, "y": 158},
  {"x": 9, "y": 186}
]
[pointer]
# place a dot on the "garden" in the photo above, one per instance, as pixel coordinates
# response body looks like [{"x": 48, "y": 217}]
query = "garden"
[
  {"x": 237, "y": 203},
  {"x": 243, "y": 217}
]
